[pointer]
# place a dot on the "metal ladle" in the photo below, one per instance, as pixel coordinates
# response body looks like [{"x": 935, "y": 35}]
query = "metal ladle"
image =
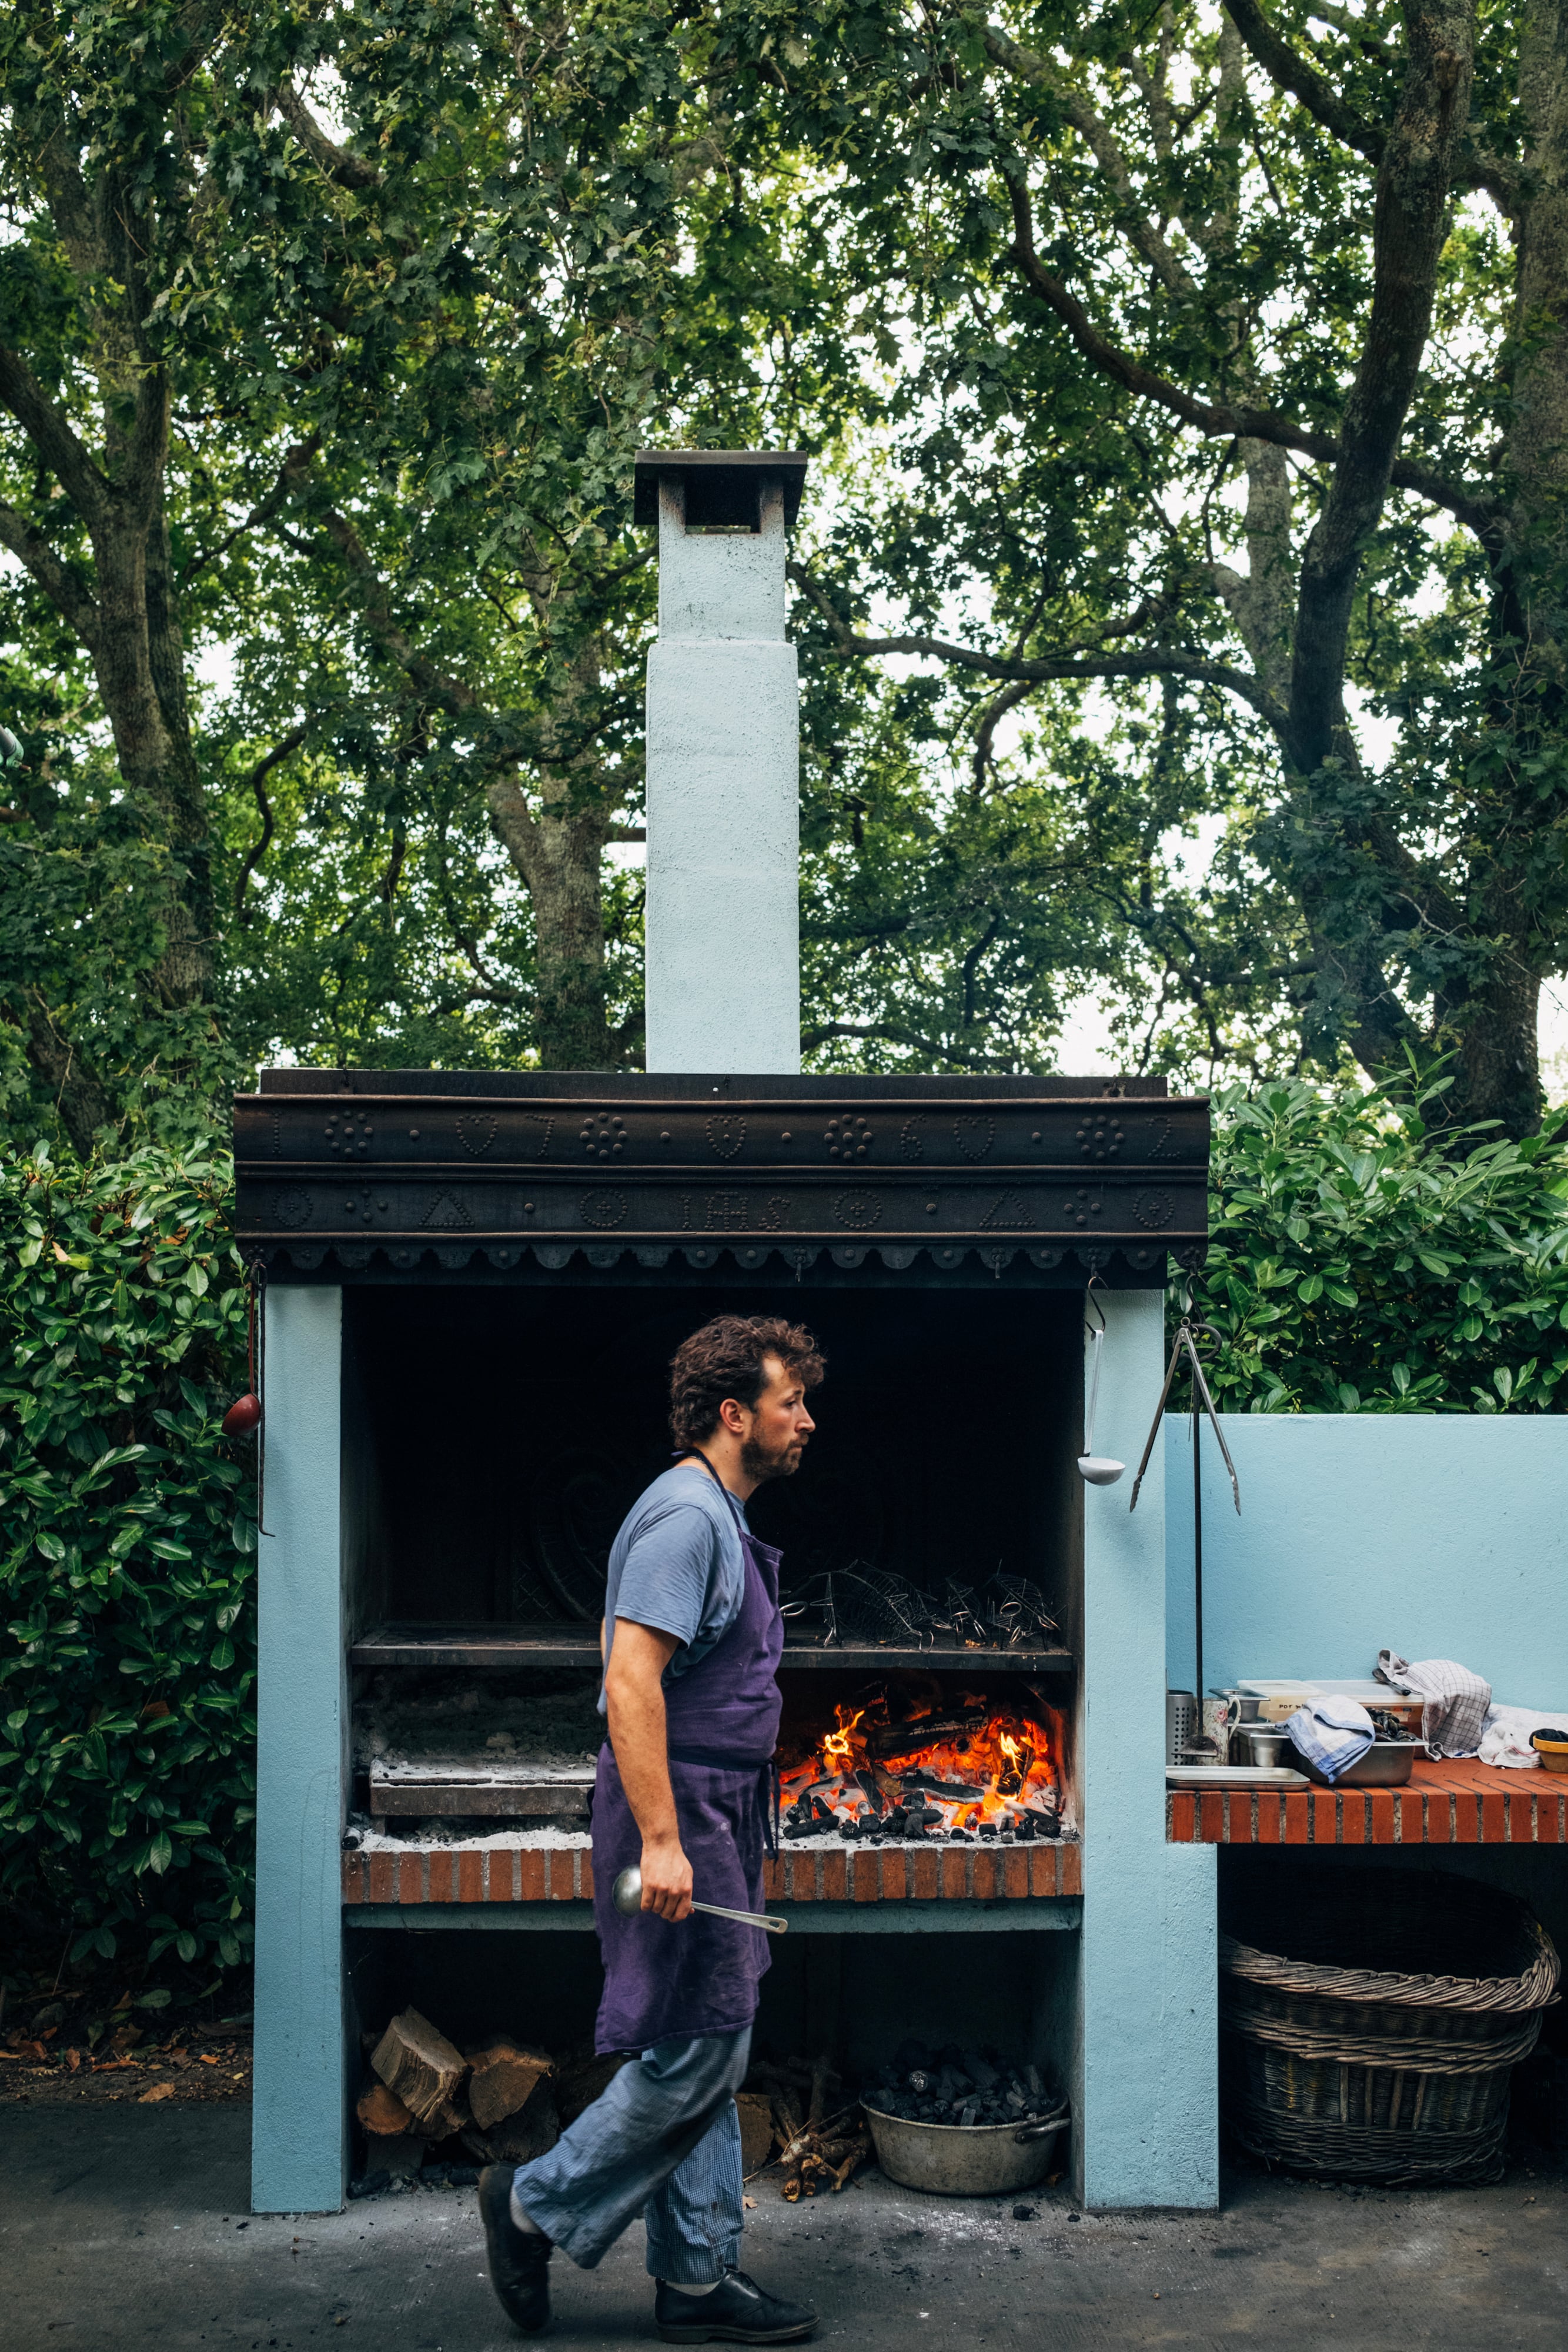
[
  {"x": 1096, "y": 1469},
  {"x": 627, "y": 1896}
]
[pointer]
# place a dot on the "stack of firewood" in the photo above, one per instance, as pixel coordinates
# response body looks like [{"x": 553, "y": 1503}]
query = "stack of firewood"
[
  {"x": 505, "y": 2103},
  {"x": 497, "y": 2097},
  {"x": 794, "y": 2122}
]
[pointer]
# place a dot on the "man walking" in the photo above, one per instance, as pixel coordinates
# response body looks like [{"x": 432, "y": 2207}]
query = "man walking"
[{"x": 692, "y": 1641}]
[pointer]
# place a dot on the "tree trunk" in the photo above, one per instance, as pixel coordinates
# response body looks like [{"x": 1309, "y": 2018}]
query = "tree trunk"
[{"x": 558, "y": 855}]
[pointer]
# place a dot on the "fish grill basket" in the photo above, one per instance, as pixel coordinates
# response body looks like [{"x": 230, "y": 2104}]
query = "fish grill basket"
[{"x": 1369, "y": 2024}]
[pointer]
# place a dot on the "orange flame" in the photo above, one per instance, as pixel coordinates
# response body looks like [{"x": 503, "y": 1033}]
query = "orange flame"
[{"x": 837, "y": 1746}]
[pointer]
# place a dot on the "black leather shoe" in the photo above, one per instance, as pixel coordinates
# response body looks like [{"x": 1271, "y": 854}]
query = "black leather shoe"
[
  {"x": 520, "y": 2259},
  {"x": 736, "y": 2312}
]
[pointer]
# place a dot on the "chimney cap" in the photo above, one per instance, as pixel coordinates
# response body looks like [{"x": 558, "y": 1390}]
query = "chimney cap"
[{"x": 722, "y": 485}]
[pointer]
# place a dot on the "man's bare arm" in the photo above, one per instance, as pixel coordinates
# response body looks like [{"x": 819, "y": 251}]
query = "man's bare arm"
[{"x": 634, "y": 1700}]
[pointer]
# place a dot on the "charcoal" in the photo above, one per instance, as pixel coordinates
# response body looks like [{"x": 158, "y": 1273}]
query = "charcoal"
[
  {"x": 969, "y": 2113},
  {"x": 1024, "y": 2212},
  {"x": 799, "y": 1828},
  {"x": 1031, "y": 2080},
  {"x": 987, "y": 1830},
  {"x": 981, "y": 2073}
]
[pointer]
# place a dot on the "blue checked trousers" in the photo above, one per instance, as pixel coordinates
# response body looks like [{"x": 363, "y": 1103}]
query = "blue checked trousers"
[{"x": 663, "y": 2141}]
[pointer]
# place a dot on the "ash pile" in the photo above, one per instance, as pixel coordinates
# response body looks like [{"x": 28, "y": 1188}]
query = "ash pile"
[{"x": 951, "y": 2085}]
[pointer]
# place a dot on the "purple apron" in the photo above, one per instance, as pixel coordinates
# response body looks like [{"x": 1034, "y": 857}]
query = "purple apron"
[{"x": 722, "y": 1720}]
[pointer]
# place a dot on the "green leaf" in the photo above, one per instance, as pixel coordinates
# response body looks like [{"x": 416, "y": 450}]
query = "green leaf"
[
  {"x": 159, "y": 1853},
  {"x": 1310, "y": 1287},
  {"x": 50, "y": 1544},
  {"x": 223, "y": 1655}
]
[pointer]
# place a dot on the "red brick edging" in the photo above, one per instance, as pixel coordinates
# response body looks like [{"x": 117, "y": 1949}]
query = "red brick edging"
[
  {"x": 1457, "y": 1803},
  {"x": 852, "y": 1875}
]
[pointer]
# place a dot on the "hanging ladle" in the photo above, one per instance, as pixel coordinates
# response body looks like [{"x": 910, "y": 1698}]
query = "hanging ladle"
[
  {"x": 627, "y": 1896},
  {"x": 1096, "y": 1469}
]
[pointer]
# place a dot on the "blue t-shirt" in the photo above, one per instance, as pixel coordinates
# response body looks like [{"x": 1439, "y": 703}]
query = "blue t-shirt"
[{"x": 677, "y": 1566}]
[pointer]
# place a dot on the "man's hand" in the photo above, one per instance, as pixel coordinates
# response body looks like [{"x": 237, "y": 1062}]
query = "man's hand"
[{"x": 666, "y": 1879}]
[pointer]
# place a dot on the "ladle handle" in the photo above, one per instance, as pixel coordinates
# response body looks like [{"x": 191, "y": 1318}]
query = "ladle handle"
[
  {"x": 746, "y": 1918},
  {"x": 1097, "y": 1338}
]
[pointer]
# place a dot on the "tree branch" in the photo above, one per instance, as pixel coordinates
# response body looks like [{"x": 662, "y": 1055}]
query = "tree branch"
[
  {"x": 1475, "y": 167},
  {"x": 341, "y": 164},
  {"x": 88, "y": 490},
  {"x": 29, "y": 546},
  {"x": 1158, "y": 663},
  {"x": 289, "y": 475},
  {"x": 891, "y": 1034},
  {"x": 257, "y": 781},
  {"x": 1479, "y": 513},
  {"x": 1098, "y": 136},
  {"x": 1410, "y": 226}
]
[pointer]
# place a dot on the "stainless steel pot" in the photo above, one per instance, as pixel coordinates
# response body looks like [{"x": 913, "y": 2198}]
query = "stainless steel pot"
[
  {"x": 1262, "y": 1743},
  {"x": 1387, "y": 1764},
  {"x": 965, "y": 2159}
]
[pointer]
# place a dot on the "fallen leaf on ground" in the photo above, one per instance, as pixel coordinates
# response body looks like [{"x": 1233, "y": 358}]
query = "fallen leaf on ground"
[
  {"x": 749, "y": 2204},
  {"x": 159, "y": 2090},
  {"x": 207, "y": 2059}
]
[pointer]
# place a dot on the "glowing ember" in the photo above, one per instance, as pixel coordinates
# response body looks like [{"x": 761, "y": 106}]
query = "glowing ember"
[{"x": 992, "y": 1768}]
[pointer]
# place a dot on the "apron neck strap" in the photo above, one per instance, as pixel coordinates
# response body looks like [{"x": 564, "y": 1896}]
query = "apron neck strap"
[{"x": 717, "y": 1481}]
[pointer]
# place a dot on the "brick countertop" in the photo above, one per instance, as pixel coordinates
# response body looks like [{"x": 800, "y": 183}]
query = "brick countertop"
[{"x": 1452, "y": 1803}]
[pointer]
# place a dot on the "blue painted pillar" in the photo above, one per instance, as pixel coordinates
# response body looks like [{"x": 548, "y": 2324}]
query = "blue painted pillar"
[
  {"x": 300, "y": 2141},
  {"x": 1147, "y": 2086}
]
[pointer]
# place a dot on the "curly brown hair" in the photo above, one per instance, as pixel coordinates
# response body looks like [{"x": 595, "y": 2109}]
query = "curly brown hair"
[{"x": 727, "y": 1358}]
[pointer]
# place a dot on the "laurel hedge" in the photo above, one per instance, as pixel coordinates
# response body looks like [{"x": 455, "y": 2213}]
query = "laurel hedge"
[{"x": 127, "y": 1552}]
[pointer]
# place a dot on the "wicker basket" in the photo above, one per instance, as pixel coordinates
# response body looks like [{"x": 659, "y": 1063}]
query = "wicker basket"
[{"x": 1373, "y": 2038}]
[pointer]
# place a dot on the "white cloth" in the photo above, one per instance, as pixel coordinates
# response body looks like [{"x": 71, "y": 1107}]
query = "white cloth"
[
  {"x": 1332, "y": 1733},
  {"x": 1506, "y": 1739},
  {"x": 1457, "y": 1700}
]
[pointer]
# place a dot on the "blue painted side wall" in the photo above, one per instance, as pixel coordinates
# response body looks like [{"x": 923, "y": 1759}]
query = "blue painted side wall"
[
  {"x": 1440, "y": 1535},
  {"x": 1145, "y": 2088},
  {"x": 299, "y": 2142}
]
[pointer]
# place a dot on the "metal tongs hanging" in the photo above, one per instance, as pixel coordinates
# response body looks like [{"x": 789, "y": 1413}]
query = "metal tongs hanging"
[{"x": 1185, "y": 1339}]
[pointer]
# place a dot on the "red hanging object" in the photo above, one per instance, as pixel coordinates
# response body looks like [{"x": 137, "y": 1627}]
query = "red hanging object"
[{"x": 244, "y": 1413}]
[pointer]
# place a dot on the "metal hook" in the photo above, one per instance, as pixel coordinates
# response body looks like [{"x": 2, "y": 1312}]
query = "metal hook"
[
  {"x": 1090, "y": 1301},
  {"x": 1184, "y": 1340}
]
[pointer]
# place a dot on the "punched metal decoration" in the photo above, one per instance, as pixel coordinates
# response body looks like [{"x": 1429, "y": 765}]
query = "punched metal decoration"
[{"x": 906, "y": 1172}]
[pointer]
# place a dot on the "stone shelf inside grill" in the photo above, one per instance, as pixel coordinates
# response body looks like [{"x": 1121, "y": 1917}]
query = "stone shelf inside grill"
[
  {"x": 420, "y": 1646},
  {"x": 447, "y": 1787}
]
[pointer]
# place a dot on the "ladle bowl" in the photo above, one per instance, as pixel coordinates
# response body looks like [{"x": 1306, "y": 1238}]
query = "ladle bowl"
[
  {"x": 627, "y": 1896},
  {"x": 1100, "y": 1469}
]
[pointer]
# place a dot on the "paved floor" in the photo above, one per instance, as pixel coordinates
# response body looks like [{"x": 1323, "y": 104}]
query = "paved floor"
[{"x": 123, "y": 2228}]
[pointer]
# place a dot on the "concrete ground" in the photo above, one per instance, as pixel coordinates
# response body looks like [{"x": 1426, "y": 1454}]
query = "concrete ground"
[{"x": 123, "y": 2228}]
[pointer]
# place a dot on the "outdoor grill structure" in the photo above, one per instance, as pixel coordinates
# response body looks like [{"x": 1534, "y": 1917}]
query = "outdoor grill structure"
[{"x": 472, "y": 1286}]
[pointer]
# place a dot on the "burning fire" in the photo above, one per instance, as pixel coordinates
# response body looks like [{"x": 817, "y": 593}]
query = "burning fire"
[{"x": 987, "y": 1767}]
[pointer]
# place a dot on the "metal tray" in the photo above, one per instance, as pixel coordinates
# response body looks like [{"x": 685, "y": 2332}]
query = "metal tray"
[
  {"x": 1387, "y": 1764},
  {"x": 1232, "y": 1776}
]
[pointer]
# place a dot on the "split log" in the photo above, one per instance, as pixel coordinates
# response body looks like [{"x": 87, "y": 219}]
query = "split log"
[
  {"x": 755, "y": 2111},
  {"x": 519, "y": 2138},
  {"x": 502, "y": 2078},
  {"x": 582, "y": 2080},
  {"x": 425, "y": 2070},
  {"x": 382, "y": 2112}
]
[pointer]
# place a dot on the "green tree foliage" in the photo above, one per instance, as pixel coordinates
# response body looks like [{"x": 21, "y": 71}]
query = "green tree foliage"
[
  {"x": 1363, "y": 1260},
  {"x": 127, "y": 1538},
  {"x": 1226, "y": 350}
]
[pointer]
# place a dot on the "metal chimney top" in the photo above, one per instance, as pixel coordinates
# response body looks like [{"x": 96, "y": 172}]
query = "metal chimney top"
[{"x": 722, "y": 487}]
